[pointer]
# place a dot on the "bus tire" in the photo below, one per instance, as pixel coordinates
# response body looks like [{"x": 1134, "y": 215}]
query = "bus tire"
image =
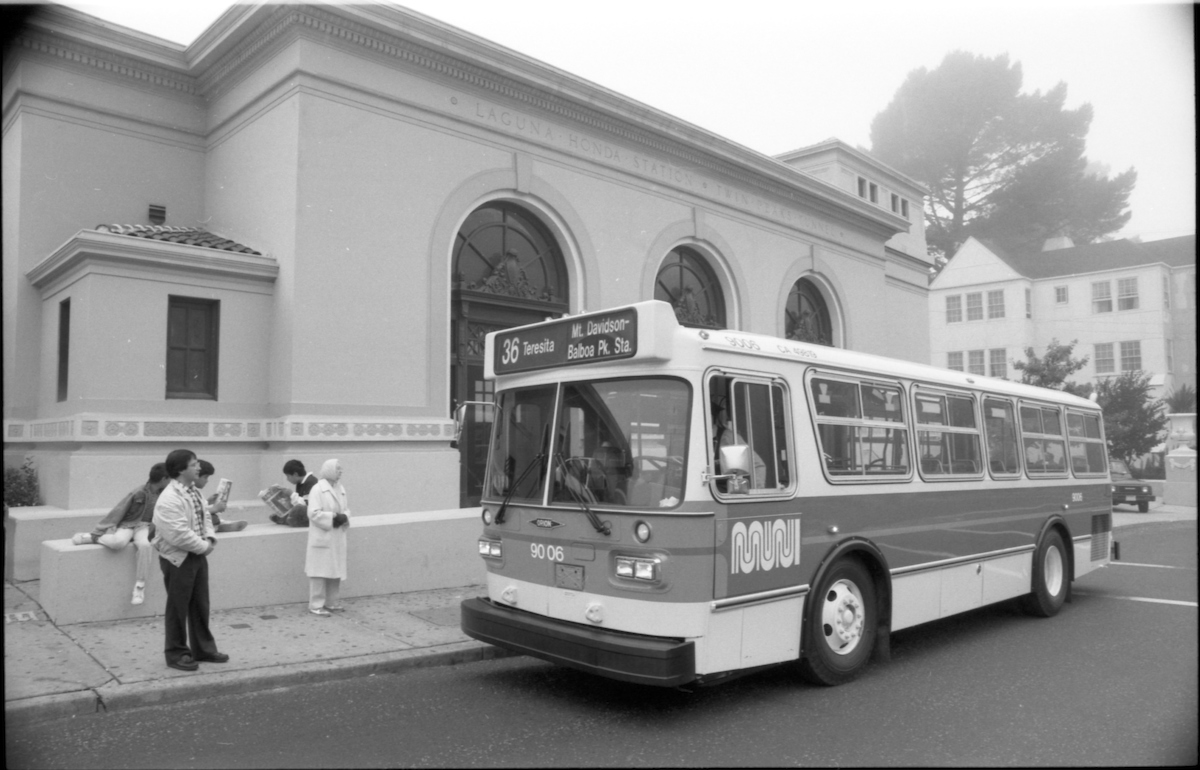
[
  {"x": 1050, "y": 577},
  {"x": 842, "y": 618}
]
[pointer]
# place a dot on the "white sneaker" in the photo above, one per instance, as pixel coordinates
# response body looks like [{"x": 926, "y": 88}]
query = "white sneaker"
[
  {"x": 139, "y": 593},
  {"x": 83, "y": 538}
]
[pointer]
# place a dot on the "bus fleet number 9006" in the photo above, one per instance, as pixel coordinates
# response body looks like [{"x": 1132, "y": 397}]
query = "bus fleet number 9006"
[{"x": 543, "y": 551}]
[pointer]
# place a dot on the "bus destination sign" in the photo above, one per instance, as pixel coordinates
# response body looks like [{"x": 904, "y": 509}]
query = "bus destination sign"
[{"x": 566, "y": 342}]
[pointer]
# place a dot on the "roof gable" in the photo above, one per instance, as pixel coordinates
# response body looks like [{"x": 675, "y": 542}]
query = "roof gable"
[
  {"x": 974, "y": 263},
  {"x": 1098, "y": 257}
]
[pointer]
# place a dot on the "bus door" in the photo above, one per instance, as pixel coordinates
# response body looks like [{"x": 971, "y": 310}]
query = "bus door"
[{"x": 757, "y": 541}]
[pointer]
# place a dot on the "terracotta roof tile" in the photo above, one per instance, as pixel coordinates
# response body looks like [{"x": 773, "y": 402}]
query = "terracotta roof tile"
[{"x": 191, "y": 236}]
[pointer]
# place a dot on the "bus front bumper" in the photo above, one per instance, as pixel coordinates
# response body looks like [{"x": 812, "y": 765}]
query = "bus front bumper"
[{"x": 648, "y": 660}]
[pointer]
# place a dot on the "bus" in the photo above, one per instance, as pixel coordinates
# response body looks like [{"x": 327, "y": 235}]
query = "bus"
[{"x": 671, "y": 506}]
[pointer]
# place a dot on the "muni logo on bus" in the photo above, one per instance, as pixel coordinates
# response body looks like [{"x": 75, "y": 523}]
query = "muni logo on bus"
[{"x": 764, "y": 546}]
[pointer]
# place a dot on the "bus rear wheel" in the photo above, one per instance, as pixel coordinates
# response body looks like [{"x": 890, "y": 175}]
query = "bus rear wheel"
[
  {"x": 1050, "y": 578},
  {"x": 842, "y": 617}
]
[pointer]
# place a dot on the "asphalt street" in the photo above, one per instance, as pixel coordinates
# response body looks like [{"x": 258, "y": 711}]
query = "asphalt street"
[{"x": 1111, "y": 681}]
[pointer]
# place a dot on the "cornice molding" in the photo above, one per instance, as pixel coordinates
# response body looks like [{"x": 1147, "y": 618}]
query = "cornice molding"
[
  {"x": 106, "y": 60},
  {"x": 91, "y": 247}
]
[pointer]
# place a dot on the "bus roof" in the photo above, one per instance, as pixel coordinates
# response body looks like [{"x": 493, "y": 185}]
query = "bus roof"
[{"x": 643, "y": 341}]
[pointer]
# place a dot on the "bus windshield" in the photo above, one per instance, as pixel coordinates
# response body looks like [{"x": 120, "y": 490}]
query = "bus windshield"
[{"x": 618, "y": 442}]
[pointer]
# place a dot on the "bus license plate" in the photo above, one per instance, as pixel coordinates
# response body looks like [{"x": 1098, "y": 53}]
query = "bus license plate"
[{"x": 568, "y": 576}]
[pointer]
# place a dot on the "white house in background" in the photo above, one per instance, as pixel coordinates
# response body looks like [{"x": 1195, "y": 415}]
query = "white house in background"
[{"x": 1130, "y": 306}]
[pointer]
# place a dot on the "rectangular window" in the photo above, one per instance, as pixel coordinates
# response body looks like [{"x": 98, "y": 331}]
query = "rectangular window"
[
  {"x": 874, "y": 193},
  {"x": 953, "y": 309},
  {"x": 64, "y": 346},
  {"x": 860, "y": 425},
  {"x": 975, "y": 307},
  {"x": 895, "y": 203},
  {"x": 975, "y": 362},
  {"x": 1000, "y": 427},
  {"x": 862, "y": 187},
  {"x": 1102, "y": 297},
  {"x": 949, "y": 442},
  {"x": 756, "y": 419},
  {"x": 1131, "y": 356},
  {"x": 1045, "y": 450},
  {"x": 1166, "y": 281},
  {"x": 1127, "y": 294},
  {"x": 955, "y": 361},
  {"x": 1088, "y": 455},
  {"x": 904, "y": 208},
  {"x": 192, "y": 332},
  {"x": 1061, "y": 295},
  {"x": 998, "y": 362},
  {"x": 996, "y": 304},
  {"x": 1104, "y": 358},
  {"x": 1029, "y": 303}
]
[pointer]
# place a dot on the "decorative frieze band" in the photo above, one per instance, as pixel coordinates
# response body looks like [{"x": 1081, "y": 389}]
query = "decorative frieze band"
[{"x": 90, "y": 428}]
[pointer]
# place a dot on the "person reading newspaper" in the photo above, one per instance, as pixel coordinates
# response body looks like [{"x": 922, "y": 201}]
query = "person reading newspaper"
[{"x": 216, "y": 503}]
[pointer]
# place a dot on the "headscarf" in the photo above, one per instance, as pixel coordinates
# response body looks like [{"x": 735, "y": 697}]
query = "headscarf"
[{"x": 329, "y": 471}]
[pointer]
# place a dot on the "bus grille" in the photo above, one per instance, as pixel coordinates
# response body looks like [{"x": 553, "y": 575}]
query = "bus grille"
[{"x": 1101, "y": 535}]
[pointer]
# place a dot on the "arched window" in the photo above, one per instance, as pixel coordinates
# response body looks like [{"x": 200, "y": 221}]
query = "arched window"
[
  {"x": 807, "y": 316},
  {"x": 508, "y": 271},
  {"x": 502, "y": 250},
  {"x": 687, "y": 282}
]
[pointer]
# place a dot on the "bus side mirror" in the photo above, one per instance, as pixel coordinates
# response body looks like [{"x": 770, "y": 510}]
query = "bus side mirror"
[
  {"x": 460, "y": 417},
  {"x": 735, "y": 461}
]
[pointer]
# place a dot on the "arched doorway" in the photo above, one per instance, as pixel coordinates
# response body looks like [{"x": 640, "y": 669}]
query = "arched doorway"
[
  {"x": 806, "y": 317},
  {"x": 686, "y": 281},
  {"x": 508, "y": 270}
]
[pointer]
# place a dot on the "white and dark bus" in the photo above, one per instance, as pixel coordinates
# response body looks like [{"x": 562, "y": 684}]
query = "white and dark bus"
[{"x": 669, "y": 505}]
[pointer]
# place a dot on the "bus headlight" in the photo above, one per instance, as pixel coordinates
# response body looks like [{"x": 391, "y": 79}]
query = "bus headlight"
[
  {"x": 641, "y": 531},
  {"x": 490, "y": 549},
  {"x": 637, "y": 569},
  {"x": 488, "y": 517}
]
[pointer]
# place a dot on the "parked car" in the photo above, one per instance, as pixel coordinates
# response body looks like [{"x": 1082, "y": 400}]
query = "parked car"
[{"x": 1127, "y": 488}]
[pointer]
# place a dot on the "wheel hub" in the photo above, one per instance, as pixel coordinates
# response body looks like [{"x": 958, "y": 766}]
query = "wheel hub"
[{"x": 842, "y": 617}]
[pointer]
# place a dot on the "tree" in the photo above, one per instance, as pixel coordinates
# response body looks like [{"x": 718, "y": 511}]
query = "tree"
[
  {"x": 1052, "y": 369},
  {"x": 1133, "y": 421},
  {"x": 1181, "y": 400},
  {"x": 999, "y": 164}
]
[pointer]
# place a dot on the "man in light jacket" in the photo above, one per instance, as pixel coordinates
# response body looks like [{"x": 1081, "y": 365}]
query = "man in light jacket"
[{"x": 184, "y": 538}]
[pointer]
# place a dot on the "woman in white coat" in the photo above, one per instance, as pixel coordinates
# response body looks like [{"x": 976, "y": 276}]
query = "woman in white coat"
[{"x": 325, "y": 561}]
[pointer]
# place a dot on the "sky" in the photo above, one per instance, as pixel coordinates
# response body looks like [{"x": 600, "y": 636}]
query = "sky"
[{"x": 775, "y": 75}]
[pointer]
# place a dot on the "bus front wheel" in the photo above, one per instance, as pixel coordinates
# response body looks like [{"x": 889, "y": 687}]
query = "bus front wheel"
[
  {"x": 842, "y": 617},
  {"x": 1050, "y": 577}
]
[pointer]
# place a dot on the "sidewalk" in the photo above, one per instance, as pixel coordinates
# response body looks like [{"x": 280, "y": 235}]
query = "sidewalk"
[{"x": 52, "y": 671}]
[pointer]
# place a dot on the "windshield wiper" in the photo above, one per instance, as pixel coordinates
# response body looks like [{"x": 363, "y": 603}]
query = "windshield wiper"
[
  {"x": 513, "y": 488},
  {"x": 603, "y": 527}
]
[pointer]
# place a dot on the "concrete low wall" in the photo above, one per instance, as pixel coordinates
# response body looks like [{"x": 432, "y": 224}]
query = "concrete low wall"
[
  {"x": 27, "y": 528},
  {"x": 264, "y": 565}
]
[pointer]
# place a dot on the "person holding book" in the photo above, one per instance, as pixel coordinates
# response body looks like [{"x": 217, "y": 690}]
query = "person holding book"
[
  {"x": 216, "y": 502},
  {"x": 325, "y": 559},
  {"x": 130, "y": 520}
]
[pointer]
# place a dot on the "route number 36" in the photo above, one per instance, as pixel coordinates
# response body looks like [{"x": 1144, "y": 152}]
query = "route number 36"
[
  {"x": 543, "y": 551},
  {"x": 512, "y": 350}
]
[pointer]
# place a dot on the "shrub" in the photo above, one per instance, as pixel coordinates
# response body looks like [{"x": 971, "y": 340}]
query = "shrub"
[{"x": 21, "y": 484}]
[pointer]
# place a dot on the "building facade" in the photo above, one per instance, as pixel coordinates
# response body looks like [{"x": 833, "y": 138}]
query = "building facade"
[
  {"x": 289, "y": 238},
  {"x": 1131, "y": 306}
]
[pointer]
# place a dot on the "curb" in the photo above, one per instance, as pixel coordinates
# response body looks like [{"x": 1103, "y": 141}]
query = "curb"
[{"x": 113, "y": 696}]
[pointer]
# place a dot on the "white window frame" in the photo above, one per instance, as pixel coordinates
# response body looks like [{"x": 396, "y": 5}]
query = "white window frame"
[
  {"x": 1132, "y": 345},
  {"x": 950, "y": 361},
  {"x": 1062, "y": 295},
  {"x": 1127, "y": 293},
  {"x": 1102, "y": 299},
  {"x": 995, "y": 304},
  {"x": 974, "y": 310},
  {"x": 1109, "y": 349},
  {"x": 1003, "y": 362},
  {"x": 954, "y": 309}
]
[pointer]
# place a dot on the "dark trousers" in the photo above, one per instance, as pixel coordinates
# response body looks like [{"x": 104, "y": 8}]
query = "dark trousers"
[{"x": 187, "y": 609}]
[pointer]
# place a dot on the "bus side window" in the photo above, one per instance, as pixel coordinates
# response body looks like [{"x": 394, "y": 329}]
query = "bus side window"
[
  {"x": 1042, "y": 434},
  {"x": 753, "y": 414},
  {"x": 1000, "y": 425}
]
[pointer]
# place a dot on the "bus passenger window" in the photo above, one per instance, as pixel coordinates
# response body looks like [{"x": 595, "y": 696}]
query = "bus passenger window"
[
  {"x": 855, "y": 425},
  {"x": 953, "y": 449},
  {"x": 1045, "y": 449},
  {"x": 1088, "y": 455},
  {"x": 1000, "y": 427}
]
